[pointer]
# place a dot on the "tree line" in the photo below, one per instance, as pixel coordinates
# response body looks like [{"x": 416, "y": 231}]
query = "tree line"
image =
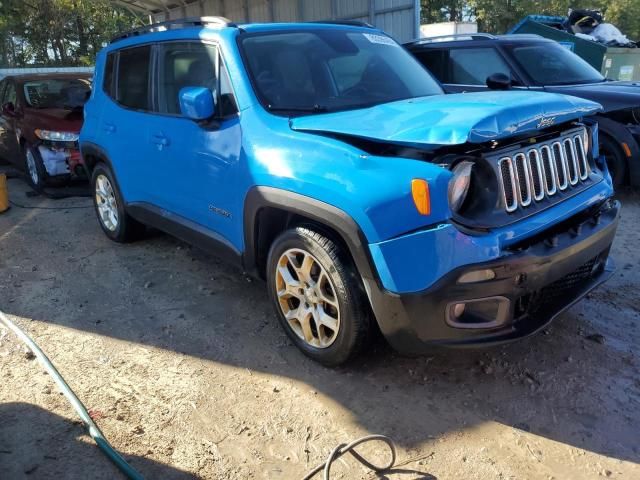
[
  {"x": 58, "y": 32},
  {"x": 71, "y": 32}
]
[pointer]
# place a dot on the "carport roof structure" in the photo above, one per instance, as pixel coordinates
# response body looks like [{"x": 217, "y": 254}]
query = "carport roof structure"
[
  {"x": 150, "y": 7},
  {"x": 399, "y": 18}
]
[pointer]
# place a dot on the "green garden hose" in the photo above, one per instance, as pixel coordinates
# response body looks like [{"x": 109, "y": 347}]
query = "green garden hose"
[
  {"x": 127, "y": 469},
  {"x": 80, "y": 409}
]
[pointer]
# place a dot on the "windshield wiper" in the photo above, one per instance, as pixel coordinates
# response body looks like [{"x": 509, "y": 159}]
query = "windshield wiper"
[{"x": 311, "y": 109}]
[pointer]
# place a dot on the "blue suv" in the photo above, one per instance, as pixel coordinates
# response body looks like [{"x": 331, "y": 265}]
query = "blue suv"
[{"x": 323, "y": 158}]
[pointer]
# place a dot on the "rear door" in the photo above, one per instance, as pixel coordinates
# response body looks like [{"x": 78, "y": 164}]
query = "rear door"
[
  {"x": 3, "y": 153},
  {"x": 9, "y": 146},
  {"x": 124, "y": 123}
]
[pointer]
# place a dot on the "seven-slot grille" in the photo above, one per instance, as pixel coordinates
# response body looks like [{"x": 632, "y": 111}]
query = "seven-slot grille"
[{"x": 543, "y": 171}]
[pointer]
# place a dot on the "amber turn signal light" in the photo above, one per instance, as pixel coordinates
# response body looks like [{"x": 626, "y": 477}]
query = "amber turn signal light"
[{"x": 420, "y": 193}]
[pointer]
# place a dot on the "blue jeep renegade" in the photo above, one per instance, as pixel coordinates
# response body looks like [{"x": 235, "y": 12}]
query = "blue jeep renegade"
[{"x": 326, "y": 160}]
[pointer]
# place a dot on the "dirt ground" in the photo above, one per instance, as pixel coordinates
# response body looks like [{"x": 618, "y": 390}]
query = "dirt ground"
[{"x": 183, "y": 365}]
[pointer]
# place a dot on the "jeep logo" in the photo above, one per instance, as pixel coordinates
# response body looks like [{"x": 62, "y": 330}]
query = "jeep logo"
[{"x": 546, "y": 122}]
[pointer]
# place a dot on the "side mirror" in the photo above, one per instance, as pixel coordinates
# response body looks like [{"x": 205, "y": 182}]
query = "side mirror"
[
  {"x": 196, "y": 103},
  {"x": 499, "y": 81},
  {"x": 9, "y": 109}
]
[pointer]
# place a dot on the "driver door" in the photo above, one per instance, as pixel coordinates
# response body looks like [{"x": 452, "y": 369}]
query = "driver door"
[
  {"x": 9, "y": 146},
  {"x": 199, "y": 161}
]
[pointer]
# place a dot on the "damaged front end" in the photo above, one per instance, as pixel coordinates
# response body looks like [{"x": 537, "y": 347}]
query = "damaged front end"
[{"x": 60, "y": 153}]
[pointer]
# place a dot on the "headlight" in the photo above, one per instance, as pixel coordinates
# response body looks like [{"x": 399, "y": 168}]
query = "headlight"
[
  {"x": 459, "y": 185},
  {"x": 56, "y": 136}
]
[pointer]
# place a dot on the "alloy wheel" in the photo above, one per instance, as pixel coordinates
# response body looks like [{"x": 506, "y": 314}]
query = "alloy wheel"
[
  {"x": 106, "y": 203},
  {"x": 32, "y": 167},
  {"x": 307, "y": 298}
]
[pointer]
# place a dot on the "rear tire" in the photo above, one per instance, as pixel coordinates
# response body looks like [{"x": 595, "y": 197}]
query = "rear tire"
[
  {"x": 616, "y": 160},
  {"x": 115, "y": 222},
  {"x": 318, "y": 296}
]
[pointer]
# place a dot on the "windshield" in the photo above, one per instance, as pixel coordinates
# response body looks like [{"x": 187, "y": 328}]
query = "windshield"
[
  {"x": 552, "y": 64},
  {"x": 332, "y": 69},
  {"x": 67, "y": 93}
]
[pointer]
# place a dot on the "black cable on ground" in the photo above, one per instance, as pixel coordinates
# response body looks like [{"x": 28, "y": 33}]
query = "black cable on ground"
[
  {"x": 130, "y": 472},
  {"x": 343, "y": 448},
  {"x": 80, "y": 409}
]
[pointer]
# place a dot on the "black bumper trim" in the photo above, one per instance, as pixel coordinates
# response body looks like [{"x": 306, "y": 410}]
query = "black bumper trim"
[{"x": 415, "y": 322}]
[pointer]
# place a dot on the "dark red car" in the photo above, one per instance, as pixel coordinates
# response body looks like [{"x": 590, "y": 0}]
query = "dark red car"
[{"x": 40, "y": 119}]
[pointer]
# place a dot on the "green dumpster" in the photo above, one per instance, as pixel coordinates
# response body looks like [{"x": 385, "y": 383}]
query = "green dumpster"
[{"x": 614, "y": 62}]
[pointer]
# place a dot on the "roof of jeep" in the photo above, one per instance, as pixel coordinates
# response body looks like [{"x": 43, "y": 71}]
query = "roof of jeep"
[
  {"x": 261, "y": 27},
  {"x": 474, "y": 39},
  {"x": 186, "y": 28}
]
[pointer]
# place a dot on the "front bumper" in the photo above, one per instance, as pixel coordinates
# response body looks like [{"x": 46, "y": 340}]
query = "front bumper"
[
  {"x": 61, "y": 158},
  {"x": 533, "y": 284}
]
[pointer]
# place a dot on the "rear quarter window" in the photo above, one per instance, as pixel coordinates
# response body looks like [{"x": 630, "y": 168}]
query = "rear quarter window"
[{"x": 108, "y": 85}]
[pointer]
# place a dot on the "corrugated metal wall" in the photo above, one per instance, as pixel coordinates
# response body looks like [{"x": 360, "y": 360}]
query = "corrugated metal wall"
[
  {"x": 399, "y": 18},
  {"x": 20, "y": 71}
]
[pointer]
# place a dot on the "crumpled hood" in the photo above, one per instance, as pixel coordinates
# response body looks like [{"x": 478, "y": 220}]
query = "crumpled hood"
[
  {"x": 451, "y": 119},
  {"x": 611, "y": 95}
]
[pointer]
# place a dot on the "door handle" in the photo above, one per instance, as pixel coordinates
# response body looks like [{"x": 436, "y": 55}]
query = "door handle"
[
  {"x": 160, "y": 140},
  {"x": 109, "y": 127}
]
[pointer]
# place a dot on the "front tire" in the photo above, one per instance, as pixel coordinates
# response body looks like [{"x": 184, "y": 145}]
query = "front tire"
[
  {"x": 34, "y": 167},
  {"x": 318, "y": 296},
  {"x": 615, "y": 158},
  {"x": 109, "y": 205},
  {"x": 37, "y": 175}
]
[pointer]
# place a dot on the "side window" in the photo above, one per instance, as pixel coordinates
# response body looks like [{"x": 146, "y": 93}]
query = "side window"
[
  {"x": 2, "y": 85},
  {"x": 133, "y": 77},
  {"x": 436, "y": 61},
  {"x": 10, "y": 94},
  {"x": 185, "y": 64},
  {"x": 227, "y": 103},
  {"x": 109, "y": 75},
  {"x": 472, "y": 66},
  {"x": 193, "y": 64}
]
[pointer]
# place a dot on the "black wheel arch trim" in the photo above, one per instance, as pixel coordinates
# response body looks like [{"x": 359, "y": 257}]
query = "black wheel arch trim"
[
  {"x": 89, "y": 148},
  {"x": 260, "y": 197},
  {"x": 619, "y": 133}
]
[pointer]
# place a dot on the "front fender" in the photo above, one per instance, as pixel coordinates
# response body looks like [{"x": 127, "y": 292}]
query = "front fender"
[
  {"x": 621, "y": 134},
  {"x": 374, "y": 191}
]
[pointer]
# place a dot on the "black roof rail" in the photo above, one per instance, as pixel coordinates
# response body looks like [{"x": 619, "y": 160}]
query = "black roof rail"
[
  {"x": 352, "y": 23},
  {"x": 175, "y": 24}
]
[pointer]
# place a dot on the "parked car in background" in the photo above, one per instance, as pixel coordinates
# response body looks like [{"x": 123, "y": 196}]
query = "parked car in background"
[
  {"x": 325, "y": 159},
  {"x": 479, "y": 62},
  {"x": 40, "y": 120}
]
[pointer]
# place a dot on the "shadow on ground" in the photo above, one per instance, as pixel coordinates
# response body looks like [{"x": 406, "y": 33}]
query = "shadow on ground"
[
  {"x": 563, "y": 384},
  {"x": 36, "y": 444}
]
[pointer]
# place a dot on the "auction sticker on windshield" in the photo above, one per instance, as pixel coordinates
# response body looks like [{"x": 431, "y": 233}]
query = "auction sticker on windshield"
[{"x": 380, "y": 39}]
